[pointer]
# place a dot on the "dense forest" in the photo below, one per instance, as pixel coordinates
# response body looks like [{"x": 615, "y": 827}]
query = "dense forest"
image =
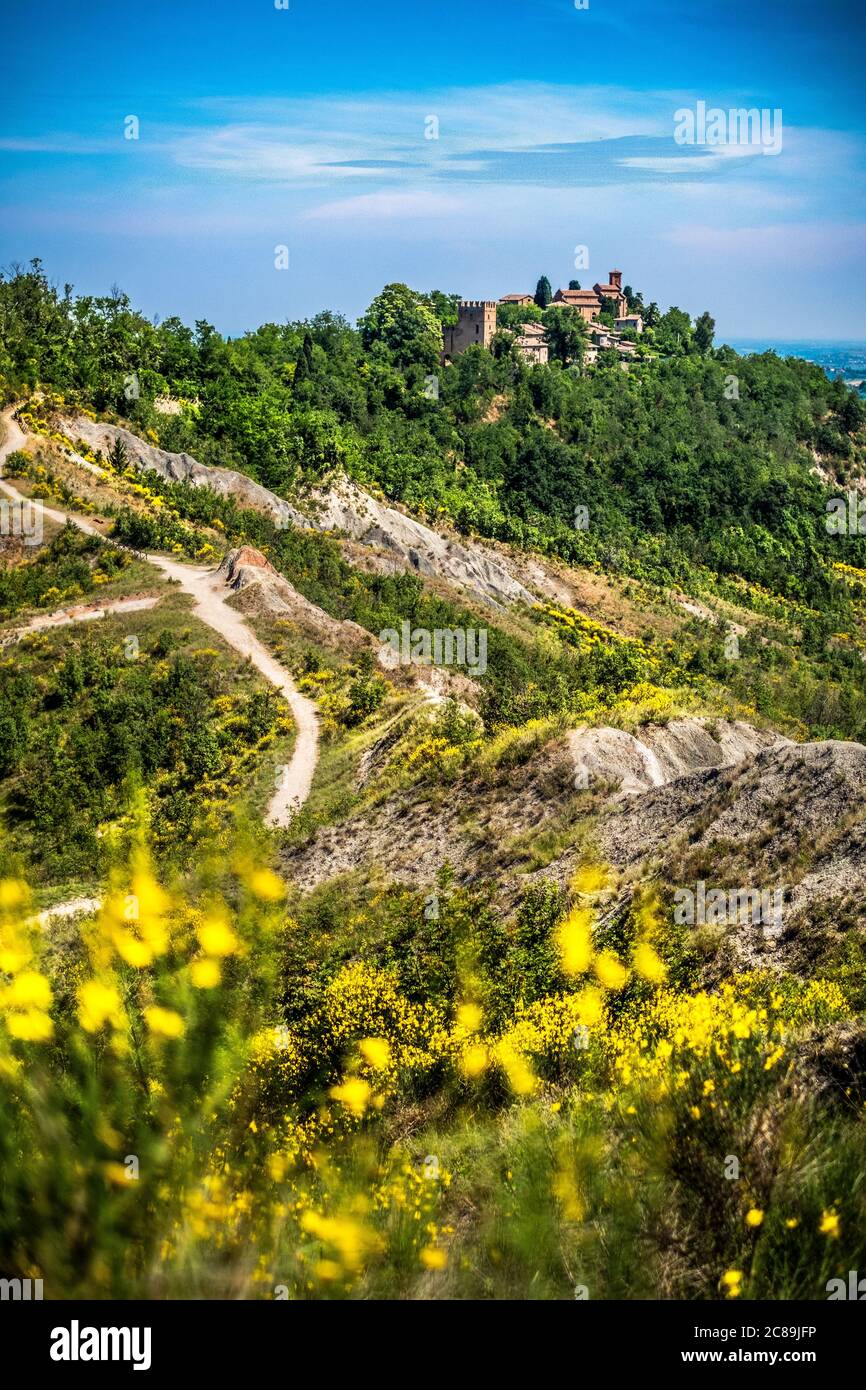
[{"x": 696, "y": 456}]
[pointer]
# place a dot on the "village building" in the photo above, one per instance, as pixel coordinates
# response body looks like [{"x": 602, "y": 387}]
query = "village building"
[
  {"x": 532, "y": 343},
  {"x": 603, "y": 337},
  {"x": 613, "y": 290},
  {"x": 476, "y": 325},
  {"x": 476, "y": 322},
  {"x": 586, "y": 302}
]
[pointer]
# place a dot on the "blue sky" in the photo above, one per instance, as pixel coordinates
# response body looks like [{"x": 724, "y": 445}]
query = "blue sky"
[{"x": 308, "y": 128}]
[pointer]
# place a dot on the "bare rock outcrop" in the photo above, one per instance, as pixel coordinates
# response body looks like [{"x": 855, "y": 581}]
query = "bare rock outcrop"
[
  {"x": 183, "y": 468},
  {"x": 739, "y": 809},
  {"x": 343, "y": 507},
  {"x": 664, "y": 752},
  {"x": 347, "y": 508},
  {"x": 261, "y": 590}
]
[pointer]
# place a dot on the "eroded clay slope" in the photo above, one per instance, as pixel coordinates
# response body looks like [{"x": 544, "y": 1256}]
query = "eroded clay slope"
[{"x": 343, "y": 507}]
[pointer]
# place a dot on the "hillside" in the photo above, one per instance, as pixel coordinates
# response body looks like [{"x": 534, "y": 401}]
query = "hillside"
[{"x": 431, "y": 892}]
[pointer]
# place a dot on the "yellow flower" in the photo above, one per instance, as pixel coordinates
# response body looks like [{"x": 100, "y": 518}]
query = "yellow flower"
[
  {"x": 589, "y": 879},
  {"x": 474, "y": 1060},
  {"x": 574, "y": 940},
  {"x": 97, "y": 1003},
  {"x": 13, "y": 892},
  {"x": 792, "y": 1223},
  {"x": 732, "y": 1278},
  {"x": 135, "y": 952},
  {"x": 151, "y": 898},
  {"x": 354, "y": 1094},
  {"x": 520, "y": 1075},
  {"x": 376, "y": 1051},
  {"x": 31, "y": 1026},
  {"x": 164, "y": 1022},
  {"x": 754, "y": 1216},
  {"x": 28, "y": 990},
  {"x": 829, "y": 1225},
  {"x": 590, "y": 1006},
  {"x": 469, "y": 1017},
  {"x": 13, "y": 957},
  {"x": 217, "y": 937},
  {"x": 611, "y": 972},
  {"x": 116, "y": 1173},
  {"x": 647, "y": 963},
  {"x": 205, "y": 974},
  {"x": 433, "y": 1258},
  {"x": 266, "y": 885},
  {"x": 349, "y": 1238}
]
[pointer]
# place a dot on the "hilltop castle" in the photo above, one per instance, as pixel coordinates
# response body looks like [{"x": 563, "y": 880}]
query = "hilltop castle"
[{"x": 476, "y": 321}]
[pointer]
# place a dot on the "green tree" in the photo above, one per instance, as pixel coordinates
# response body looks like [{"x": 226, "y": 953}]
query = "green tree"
[
  {"x": 304, "y": 366},
  {"x": 675, "y": 330},
  {"x": 566, "y": 334},
  {"x": 444, "y": 307},
  {"x": 515, "y": 315},
  {"x": 543, "y": 292},
  {"x": 634, "y": 300},
  {"x": 118, "y": 457},
  {"x": 402, "y": 326},
  {"x": 705, "y": 328}
]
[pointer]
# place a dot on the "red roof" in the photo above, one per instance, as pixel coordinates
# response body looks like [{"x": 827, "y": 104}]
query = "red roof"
[{"x": 576, "y": 296}]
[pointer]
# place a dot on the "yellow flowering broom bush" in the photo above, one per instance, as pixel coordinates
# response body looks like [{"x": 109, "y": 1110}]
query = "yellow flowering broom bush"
[{"x": 171, "y": 1124}]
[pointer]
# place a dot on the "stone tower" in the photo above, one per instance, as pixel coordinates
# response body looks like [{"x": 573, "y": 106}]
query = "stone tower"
[{"x": 476, "y": 323}]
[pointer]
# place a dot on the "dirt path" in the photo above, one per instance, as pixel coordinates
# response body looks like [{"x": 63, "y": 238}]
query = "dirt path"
[
  {"x": 83, "y": 613},
  {"x": 62, "y": 911},
  {"x": 208, "y": 592}
]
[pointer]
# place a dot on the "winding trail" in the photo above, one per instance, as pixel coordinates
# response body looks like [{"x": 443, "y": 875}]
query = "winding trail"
[
  {"x": 208, "y": 592},
  {"x": 82, "y": 613}
]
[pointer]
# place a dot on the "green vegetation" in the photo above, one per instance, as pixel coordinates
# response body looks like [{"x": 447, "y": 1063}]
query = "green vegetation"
[
  {"x": 408, "y": 1097},
  {"x": 369, "y": 1090},
  {"x": 90, "y": 714}
]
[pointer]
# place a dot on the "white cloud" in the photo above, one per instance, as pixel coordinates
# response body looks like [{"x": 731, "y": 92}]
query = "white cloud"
[{"x": 388, "y": 206}]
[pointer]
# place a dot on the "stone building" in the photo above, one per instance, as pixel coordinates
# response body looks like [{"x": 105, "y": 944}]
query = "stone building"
[
  {"x": 476, "y": 324},
  {"x": 532, "y": 343},
  {"x": 586, "y": 302},
  {"x": 613, "y": 290}
]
